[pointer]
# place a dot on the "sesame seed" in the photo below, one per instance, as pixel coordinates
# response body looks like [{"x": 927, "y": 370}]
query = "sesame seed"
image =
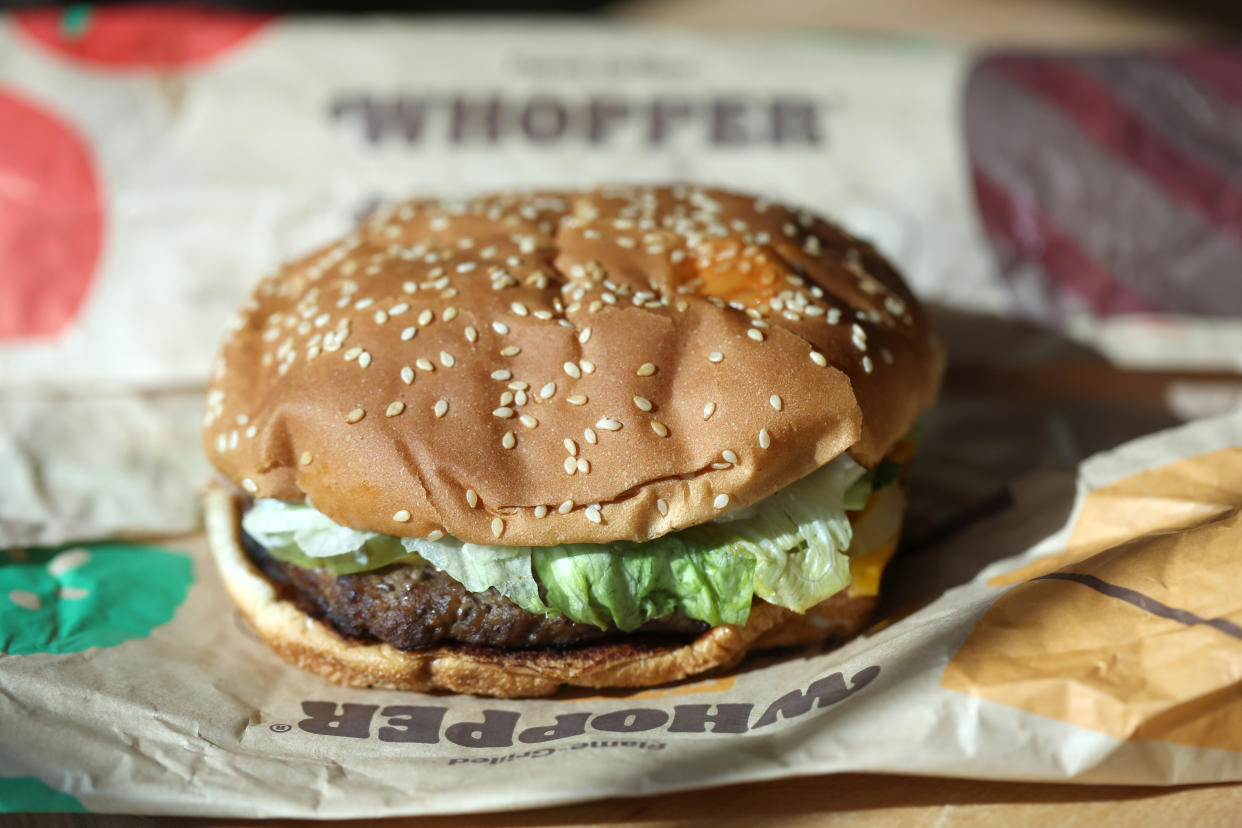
[
  {"x": 364, "y": 359},
  {"x": 381, "y": 317},
  {"x": 504, "y": 412},
  {"x": 547, "y": 391},
  {"x": 588, "y": 434},
  {"x": 520, "y": 397},
  {"x": 566, "y": 507},
  {"x": 609, "y": 424},
  {"x": 355, "y": 415},
  {"x": 659, "y": 428},
  {"x": 498, "y": 527},
  {"x": 642, "y": 403},
  {"x": 510, "y": 350},
  {"x": 352, "y": 354},
  {"x": 819, "y": 359},
  {"x": 407, "y": 374},
  {"x": 527, "y": 420},
  {"x": 424, "y": 364},
  {"x": 755, "y": 334},
  {"x": 399, "y": 308},
  {"x": 833, "y": 316},
  {"x": 887, "y": 356},
  {"x": 584, "y": 466},
  {"x": 402, "y": 516},
  {"x": 250, "y": 486},
  {"x": 776, "y": 402},
  {"x": 305, "y": 459},
  {"x": 571, "y": 447},
  {"x": 573, "y": 370},
  {"x": 541, "y": 511},
  {"x": 509, "y": 440},
  {"x": 570, "y": 465},
  {"x": 721, "y": 501},
  {"x": 472, "y": 497},
  {"x": 576, "y": 399},
  {"x": 501, "y": 374},
  {"x": 730, "y": 456},
  {"x": 450, "y": 313},
  {"x": 587, "y": 366},
  {"x": 646, "y": 369},
  {"x": 866, "y": 364},
  {"x": 765, "y": 439},
  {"x": 662, "y": 505},
  {"x": 251, "y": 431},
  {"x": 500, "y": 328},
  {"x": 584, "y": 335},
  {"x": 507, "y": 398},
  {"x": 472, "y": 335},
  {"x": 435, "y": 534},
  {"x": 715, "y": 356},
  {"x": 425, "y": 317},
  {"x": 593, "y": 515},
  {"x": 709, "y": 410},
  {"x": 394, "y": 408},
  {"x": 519, "y": 309},
  {"x": 466, "y": 267},
  {"x": 447, "y": 359},
  {"x": 408, "y": 333}
]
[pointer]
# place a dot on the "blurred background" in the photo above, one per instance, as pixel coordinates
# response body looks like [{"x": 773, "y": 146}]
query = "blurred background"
[{"x": 1063, "y": 22}]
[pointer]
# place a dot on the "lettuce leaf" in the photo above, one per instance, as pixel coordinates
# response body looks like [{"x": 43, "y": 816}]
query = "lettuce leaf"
[
  {"x": 789, "y": 549},
  {"x": 625, "y": 583},
  {"x": 298, "y": 534}
]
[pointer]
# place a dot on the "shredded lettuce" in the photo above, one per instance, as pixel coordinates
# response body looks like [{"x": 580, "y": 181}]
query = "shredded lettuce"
[{"x": 789, "y": 549}]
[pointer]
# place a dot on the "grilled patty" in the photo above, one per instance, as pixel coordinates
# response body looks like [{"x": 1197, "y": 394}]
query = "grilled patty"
[{"x": 414, "y": 607}]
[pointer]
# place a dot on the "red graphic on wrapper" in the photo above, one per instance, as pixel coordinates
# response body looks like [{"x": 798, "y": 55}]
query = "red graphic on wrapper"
[
  {"x": 139, "y": 37},
  {"x": 51, "y": 220}
]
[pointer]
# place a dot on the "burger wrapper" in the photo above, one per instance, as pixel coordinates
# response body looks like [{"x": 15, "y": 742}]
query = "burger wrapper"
[
  {"x": 1098, "y": 640},
  {"x": 1077, "y": 624}
]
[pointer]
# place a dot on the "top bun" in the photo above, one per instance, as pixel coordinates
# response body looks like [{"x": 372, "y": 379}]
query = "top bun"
[{"x": 546, "y": 368}]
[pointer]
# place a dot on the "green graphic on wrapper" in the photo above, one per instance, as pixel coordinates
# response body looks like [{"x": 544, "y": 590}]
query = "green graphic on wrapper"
[
  {"x": 63, "y": 600},
  {"x": 26, "y": 794}
]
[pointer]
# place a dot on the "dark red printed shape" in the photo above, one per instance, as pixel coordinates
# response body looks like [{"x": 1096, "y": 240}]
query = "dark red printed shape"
[
  {"x": 139, "y": 37},
  {"x": 51, "y": 220},
  {"x": 1111, "y": 183}
]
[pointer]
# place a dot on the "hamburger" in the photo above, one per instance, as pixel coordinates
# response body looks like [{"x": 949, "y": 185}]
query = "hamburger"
[{"x": 610, "y": 438}]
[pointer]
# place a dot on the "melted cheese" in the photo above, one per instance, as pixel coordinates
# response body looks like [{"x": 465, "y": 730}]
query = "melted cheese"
[
  {"x": 867, "y": 568},
  {"x": 876, "y": 532}
]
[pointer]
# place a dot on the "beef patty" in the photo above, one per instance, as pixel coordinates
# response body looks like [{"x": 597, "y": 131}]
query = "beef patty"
[{"x": 413, "y": 607}]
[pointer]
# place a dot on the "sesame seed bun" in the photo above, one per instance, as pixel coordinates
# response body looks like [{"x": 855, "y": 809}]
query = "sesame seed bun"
[
  {"x": 316, "y": 646},
  {"x": 549, "y": 368}
]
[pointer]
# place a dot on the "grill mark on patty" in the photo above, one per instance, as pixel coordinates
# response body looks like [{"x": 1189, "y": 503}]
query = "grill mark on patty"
[{"x": 415, "y": 607}]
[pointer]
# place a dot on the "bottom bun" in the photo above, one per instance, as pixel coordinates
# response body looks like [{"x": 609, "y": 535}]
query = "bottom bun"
[{"x": 461, "y": 668}]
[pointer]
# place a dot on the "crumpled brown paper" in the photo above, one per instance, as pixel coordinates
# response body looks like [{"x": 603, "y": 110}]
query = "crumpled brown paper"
[
  {"x": 1134, "y": 629},
  {"x": 1120, "y": 668}
]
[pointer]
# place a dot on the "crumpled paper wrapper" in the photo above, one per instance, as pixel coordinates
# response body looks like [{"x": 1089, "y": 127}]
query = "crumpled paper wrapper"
[
  {"x": 1099, "y": 642},
  {"x": 1071, "y": 625}
]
